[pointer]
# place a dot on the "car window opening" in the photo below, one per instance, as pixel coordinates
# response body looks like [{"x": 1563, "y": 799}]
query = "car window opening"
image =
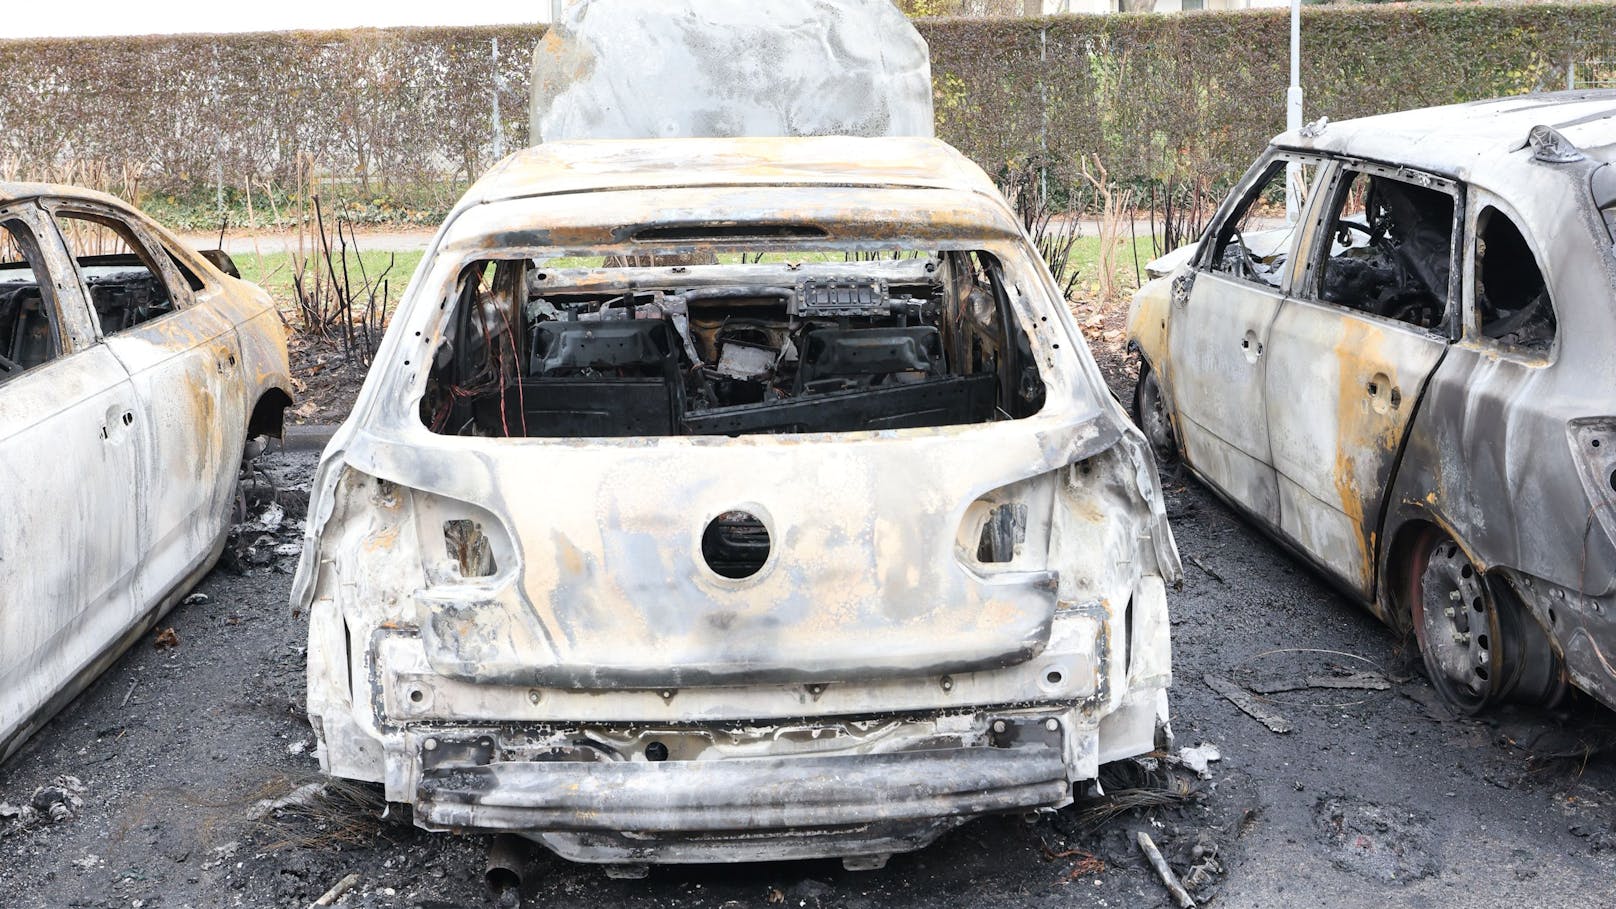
[
  {"x": 125, "y": 284},
  {"x": 775, "y": 343},
  {"x": 1512, "y": 299},
  {"x": 1255, "y": 241},
  {"x": 1603, "y": 184},
  {"x": 1391, "y": 250},
  {"x": 29, "y": 335}
]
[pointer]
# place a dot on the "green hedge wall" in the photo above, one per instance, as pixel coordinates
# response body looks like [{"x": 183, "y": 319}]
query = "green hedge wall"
[
  {"x": 1157, "y": 97},
  {"x": 381, "y": 106},
  {"x": 1161, "y": 97}
]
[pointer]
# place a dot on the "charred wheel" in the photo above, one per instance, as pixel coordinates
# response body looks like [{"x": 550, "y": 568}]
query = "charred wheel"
[
  {"x": 1150, "y": 410},
  {"x": 1479, "y": 644}
]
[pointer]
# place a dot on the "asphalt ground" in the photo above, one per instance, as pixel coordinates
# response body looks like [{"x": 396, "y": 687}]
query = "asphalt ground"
[{"x": 1375, "y": 798}]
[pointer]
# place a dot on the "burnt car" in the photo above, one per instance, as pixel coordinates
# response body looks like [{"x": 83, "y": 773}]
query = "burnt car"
[
  {"x": 133, "y": 373},
  {"x": 1409, "y": 381},
  {"x": 730, "y": 500}
]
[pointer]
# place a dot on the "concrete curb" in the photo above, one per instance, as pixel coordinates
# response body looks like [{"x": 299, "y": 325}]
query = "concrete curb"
[{"x": 308, "y": 437}]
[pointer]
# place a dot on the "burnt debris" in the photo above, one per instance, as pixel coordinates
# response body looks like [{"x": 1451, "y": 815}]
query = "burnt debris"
[{"x": 730, "y": 349}]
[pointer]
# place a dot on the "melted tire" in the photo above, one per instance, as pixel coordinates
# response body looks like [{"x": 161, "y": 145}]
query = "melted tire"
[
  {"x": 1480, "y": 644},
  {"x": 1151, "y": 414}
]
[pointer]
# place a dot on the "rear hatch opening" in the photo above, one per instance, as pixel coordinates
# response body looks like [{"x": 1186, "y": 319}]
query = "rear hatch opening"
[{"x": 732, "y": 342}]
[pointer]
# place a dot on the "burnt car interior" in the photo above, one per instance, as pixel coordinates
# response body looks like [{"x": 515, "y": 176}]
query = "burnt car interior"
[
  {"x": 28, "y": 334},
  {"x": 1392, "y": 250},
  {"x": 1603, "y": 184},
  {"x": 125, "y": 284},
  {"x": 1238, "y": 251},
  {"x": 1512, "y": 299},
  {"x": 775, "y": 343}
]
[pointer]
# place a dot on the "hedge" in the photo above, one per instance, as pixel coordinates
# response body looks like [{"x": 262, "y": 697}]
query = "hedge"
[
  {"x": 1164, "y": 97},
  {"x": 1156, "y": 97},
  {"x": 380, "y": 106}
]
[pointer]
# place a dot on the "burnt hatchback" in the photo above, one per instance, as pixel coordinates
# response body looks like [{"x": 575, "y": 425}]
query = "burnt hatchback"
[
  {"x": 734, "y": 499},
  {"x": 1409, "y": 380}
]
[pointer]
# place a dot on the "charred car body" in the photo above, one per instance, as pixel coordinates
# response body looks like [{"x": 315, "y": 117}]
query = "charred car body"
[
  {"x": 815, "y": 539},
  {"x": 1411, "y": 384},
  {"x": 132, "y": 373}
]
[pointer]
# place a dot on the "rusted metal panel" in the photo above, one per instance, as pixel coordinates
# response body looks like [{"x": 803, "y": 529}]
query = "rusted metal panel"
[
  {"x": 758, "y": 794},
  {"x": 724, "y": 68},
  {"x": 1342, "y": 389},
  {"x": 1216, "y": 345}
]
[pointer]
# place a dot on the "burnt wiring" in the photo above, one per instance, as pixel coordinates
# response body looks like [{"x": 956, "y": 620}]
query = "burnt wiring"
[{"x": 881, "y": 344}]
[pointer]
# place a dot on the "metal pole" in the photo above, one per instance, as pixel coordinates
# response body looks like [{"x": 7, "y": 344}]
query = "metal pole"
[
  {"x": 1293, "y": 114},
  {"x": 499, "y": 122},
  {"x": 1043, "y": 126},
  {"x": 555, "y": 12}
]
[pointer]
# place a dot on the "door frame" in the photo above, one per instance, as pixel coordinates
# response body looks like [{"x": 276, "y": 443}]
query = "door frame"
[
  {"x": 1200, "y": 270},
  {"x": 194, "y": 338},
  {"x": 96, "y": 627},
  {"x": 1305, "y": 294}
]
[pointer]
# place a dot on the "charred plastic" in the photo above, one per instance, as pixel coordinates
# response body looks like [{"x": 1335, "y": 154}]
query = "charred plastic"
[{"x": 624, "y": 350}]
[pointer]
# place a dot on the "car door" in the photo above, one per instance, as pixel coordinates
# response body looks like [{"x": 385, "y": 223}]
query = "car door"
[
  {"x": 71, "y": 447},
  {"x": 184, "y": 360},
  {"x": 1350, "y": 353},
  {"x": 1219, "y": 328}
]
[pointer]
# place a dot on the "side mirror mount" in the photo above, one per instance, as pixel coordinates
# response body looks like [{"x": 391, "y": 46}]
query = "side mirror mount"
[
  {"x": 221, "y": 260},
  {"x": 1181, "y": 288}
]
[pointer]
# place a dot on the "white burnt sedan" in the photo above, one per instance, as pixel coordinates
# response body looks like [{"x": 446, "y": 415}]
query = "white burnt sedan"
[{"x": 132, "y": 373}]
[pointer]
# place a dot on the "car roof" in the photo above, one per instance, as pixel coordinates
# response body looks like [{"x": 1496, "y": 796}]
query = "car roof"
[
  {"x": 1464, "y": 140},
  {"x": 629, "y": 164},
  {"x": 12, "y": 192}
]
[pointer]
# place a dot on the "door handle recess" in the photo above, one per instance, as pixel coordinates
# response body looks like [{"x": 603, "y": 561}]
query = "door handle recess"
[
  {"x": 1384, "y": 397},
  {"x": 112, "y": 429}
]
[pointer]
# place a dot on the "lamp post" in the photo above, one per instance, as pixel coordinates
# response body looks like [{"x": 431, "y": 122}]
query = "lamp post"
[
  {"x": 1293, "y": 114},
  {"x": 499, "y": 122}
]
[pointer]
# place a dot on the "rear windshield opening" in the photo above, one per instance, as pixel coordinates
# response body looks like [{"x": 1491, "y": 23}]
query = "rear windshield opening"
[{"x": 729, "y": 344}]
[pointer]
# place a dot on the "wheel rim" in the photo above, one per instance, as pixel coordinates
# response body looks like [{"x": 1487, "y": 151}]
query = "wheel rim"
[
  {"x": 1457, "y": 625},
  {"x": 1153, "y": 419}
]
